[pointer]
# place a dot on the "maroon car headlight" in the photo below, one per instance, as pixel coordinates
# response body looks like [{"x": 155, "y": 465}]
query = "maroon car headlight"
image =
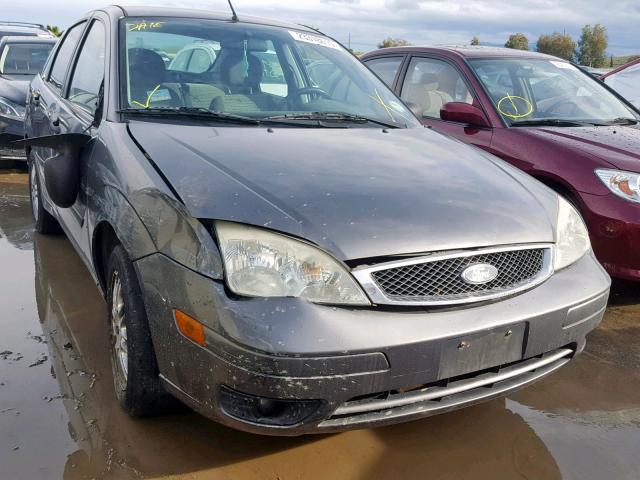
[{"x": 623, "y": 184}]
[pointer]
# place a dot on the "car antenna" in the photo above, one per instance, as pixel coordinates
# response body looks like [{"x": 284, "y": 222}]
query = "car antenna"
[{"x": 234, "y": 17}]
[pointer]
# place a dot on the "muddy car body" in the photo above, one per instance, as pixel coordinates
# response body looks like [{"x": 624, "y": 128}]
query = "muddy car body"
[{"x": 252, "y": 249}]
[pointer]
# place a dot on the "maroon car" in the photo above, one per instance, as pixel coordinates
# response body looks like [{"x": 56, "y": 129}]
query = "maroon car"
[
  {"x": 626, "y": 81},
  {"x": 541, "y": 114}
]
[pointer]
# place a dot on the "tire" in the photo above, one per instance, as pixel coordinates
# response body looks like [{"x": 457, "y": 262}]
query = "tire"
[
  {"x": 43, "y": 221},
  {"x": 133, "y": 360}
]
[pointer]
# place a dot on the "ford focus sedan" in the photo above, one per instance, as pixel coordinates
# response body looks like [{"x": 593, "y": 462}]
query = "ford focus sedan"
[
  {"x": 298, "y": 259},
  {"x": 543, "y": 115}
]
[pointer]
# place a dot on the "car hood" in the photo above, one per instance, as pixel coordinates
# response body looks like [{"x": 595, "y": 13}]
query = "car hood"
[
  {"x": 14, "y": 88},
  {"x": 358, "y": 193},
  {"x": 617, "y": 146}
]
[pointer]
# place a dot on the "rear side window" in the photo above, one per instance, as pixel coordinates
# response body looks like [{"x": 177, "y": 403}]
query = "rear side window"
[
  {"x": 64, "y": 54},
  {"x": 386, "y": 68},
  {"x": 89, "y": 71}
]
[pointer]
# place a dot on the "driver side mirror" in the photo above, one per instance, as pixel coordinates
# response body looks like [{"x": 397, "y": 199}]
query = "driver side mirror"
[
  {"x": 464, "y": 113},
  {"x": 62, "y": 170}
]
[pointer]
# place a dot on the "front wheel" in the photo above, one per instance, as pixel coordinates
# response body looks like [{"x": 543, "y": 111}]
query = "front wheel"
[
  {"x": 133, "y": 360},
  {"x": 43, "y": 221}
]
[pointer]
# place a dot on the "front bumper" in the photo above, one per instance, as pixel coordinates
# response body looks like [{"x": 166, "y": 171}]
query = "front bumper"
[
  {"x": 614, "y": 228},
  {"x": 364, "y": 367},
  {"x": 13, "y": 130}
]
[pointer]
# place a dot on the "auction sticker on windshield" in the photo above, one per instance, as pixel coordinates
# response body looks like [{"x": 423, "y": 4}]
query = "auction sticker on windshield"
[
  {"x": 315, "y": 39},
  {"x": 564, "y": 65}
]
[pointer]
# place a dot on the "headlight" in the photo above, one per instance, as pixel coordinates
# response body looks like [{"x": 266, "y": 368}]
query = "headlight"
[
  {"x": 11, "y": 109},
  {"x": 259, "y": 263},
  {"x": 623, "y": 184},
  {"x": 572, "y": 237}
]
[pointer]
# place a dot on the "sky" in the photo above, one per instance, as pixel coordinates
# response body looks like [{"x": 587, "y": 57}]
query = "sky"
[{"x": 367, "y": 22}]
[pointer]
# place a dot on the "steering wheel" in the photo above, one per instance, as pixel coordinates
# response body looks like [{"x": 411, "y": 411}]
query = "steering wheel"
[{"x": 310, "y": 91}]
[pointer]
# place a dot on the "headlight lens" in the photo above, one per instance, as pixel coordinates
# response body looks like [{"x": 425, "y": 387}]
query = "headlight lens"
[
  {"x": 260, "y": 263},
  {"x": 624, "y": 184},
  {"x": 11, "y": 109},
  {"x": 572, "y": 237}
]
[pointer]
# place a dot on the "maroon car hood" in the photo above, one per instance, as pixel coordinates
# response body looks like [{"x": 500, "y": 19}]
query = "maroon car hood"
[{"x": 619, "y": 146}]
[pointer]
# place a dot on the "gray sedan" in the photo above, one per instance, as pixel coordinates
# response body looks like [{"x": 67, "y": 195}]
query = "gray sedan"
[{"x": 298, "y": 259}]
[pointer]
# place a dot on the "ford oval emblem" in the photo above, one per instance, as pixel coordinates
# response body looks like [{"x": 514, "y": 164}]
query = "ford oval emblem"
[{"x": 479, "y": 273}]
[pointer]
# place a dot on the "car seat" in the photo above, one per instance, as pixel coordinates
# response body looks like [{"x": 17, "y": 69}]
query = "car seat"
[
  {"x": 147, "y": 71},
  {"x": 424, "y": 98}
]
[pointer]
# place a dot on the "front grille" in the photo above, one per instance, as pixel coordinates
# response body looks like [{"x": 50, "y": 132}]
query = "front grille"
[{"x": 437, "y": 279}]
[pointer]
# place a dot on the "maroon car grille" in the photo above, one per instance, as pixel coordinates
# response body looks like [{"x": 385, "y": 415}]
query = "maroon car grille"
[{"x": 442, "y": 279}]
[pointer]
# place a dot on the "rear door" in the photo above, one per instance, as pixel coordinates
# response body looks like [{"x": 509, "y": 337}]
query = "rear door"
[{"x": 429, "y": 83}]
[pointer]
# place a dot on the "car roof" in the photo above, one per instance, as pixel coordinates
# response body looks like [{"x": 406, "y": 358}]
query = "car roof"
[
  {"x": 622, "y": 67},
  {"x": 117, "y": 11},
  {"x": 27, "y": 39},
  {"x": 465, "y": 51}
]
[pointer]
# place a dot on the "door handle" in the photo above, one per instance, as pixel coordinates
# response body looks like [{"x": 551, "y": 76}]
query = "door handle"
[{"x": 35, "y": 96}]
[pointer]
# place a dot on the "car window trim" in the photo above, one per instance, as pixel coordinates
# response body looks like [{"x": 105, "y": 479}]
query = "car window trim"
[
  {"x": 74, "y": 64},
  {"x": 54, "y": 84},
  {"x": 463, "y": 77},
  {"x": 403, "y": 59}
]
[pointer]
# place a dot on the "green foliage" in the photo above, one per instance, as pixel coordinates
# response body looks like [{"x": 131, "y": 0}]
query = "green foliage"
[
  {"x": 593, "y": 45},
  {"x": 393, "y": 42},
  {"x": 475, "y": 40},
  {"x": 558, "y": 45},
  {"x": 519, "y": 41},
  {"x": 55, "y": 30}
]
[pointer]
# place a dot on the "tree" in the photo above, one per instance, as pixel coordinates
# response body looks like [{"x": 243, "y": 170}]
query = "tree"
[
  {"x": 475, "y": 40},
  {"x": 393, "y": 42},
  {"x": 519, "y": 41},
  {"x": 55, "y": 30},
  {"x": 593, "y": 45},
  {"x": 557, "y": 44}
]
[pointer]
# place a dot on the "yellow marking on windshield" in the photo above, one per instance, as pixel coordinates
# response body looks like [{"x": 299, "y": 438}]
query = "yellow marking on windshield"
[
  {"x": 516, "y": 112},
  {"x": 379, "y": 100},
  {"x": 146, "y": 104},
  {"x": 137, "y": 27}
]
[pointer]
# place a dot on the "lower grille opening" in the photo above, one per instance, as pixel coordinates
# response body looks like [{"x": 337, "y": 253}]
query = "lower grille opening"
[{"x": 448, "y": 393}]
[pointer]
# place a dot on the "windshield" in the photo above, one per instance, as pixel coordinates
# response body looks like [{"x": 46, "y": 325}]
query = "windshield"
[
  {"x": 24, "y": 58},
  {"x": 250, "y": 70},
  {"x": 526, "y": 90}
]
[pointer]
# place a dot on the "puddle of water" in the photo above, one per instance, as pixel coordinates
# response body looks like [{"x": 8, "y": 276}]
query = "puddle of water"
[{"x": 63, "y": 417}]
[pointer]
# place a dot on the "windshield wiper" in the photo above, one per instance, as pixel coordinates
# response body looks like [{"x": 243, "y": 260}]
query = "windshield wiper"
[
  {"x": 552, "y": 122},
  {"x": 192, "y": 112},
  {"x": 331, "y": 117},
  {"x": 622, "y": 121}
]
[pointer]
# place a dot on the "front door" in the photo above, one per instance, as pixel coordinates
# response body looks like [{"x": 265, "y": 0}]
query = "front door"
[{"x": 430, "y": 83}]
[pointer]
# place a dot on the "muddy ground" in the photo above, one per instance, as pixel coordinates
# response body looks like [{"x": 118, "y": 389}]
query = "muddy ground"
[{"x": 59, "y": 417}]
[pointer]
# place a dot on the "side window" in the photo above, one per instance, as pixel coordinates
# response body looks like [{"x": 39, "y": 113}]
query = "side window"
[
  {"x": 430, "y": 83},
  {"x": 64, "y": 53},
  {"x": 273, "y": 80},
  {"x": 386, "y": 68},
  {"x": 200, "y": 61},
  {"x": 89, "y": 70}
]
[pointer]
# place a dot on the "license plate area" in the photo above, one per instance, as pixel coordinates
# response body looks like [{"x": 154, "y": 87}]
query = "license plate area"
[{"x": 480, "y": 350}]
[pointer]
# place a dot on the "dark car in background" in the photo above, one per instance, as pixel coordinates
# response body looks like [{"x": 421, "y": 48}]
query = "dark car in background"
[
  {"x": 298, "y": 259},
  {"x": 21, "y": 57},
  {"x": 626, "y": 81},
  {"x": 541, "y": 114}
]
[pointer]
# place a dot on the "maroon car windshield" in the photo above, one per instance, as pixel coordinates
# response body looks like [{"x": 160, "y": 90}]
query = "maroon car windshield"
[{"x": 526, "y": 91}]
